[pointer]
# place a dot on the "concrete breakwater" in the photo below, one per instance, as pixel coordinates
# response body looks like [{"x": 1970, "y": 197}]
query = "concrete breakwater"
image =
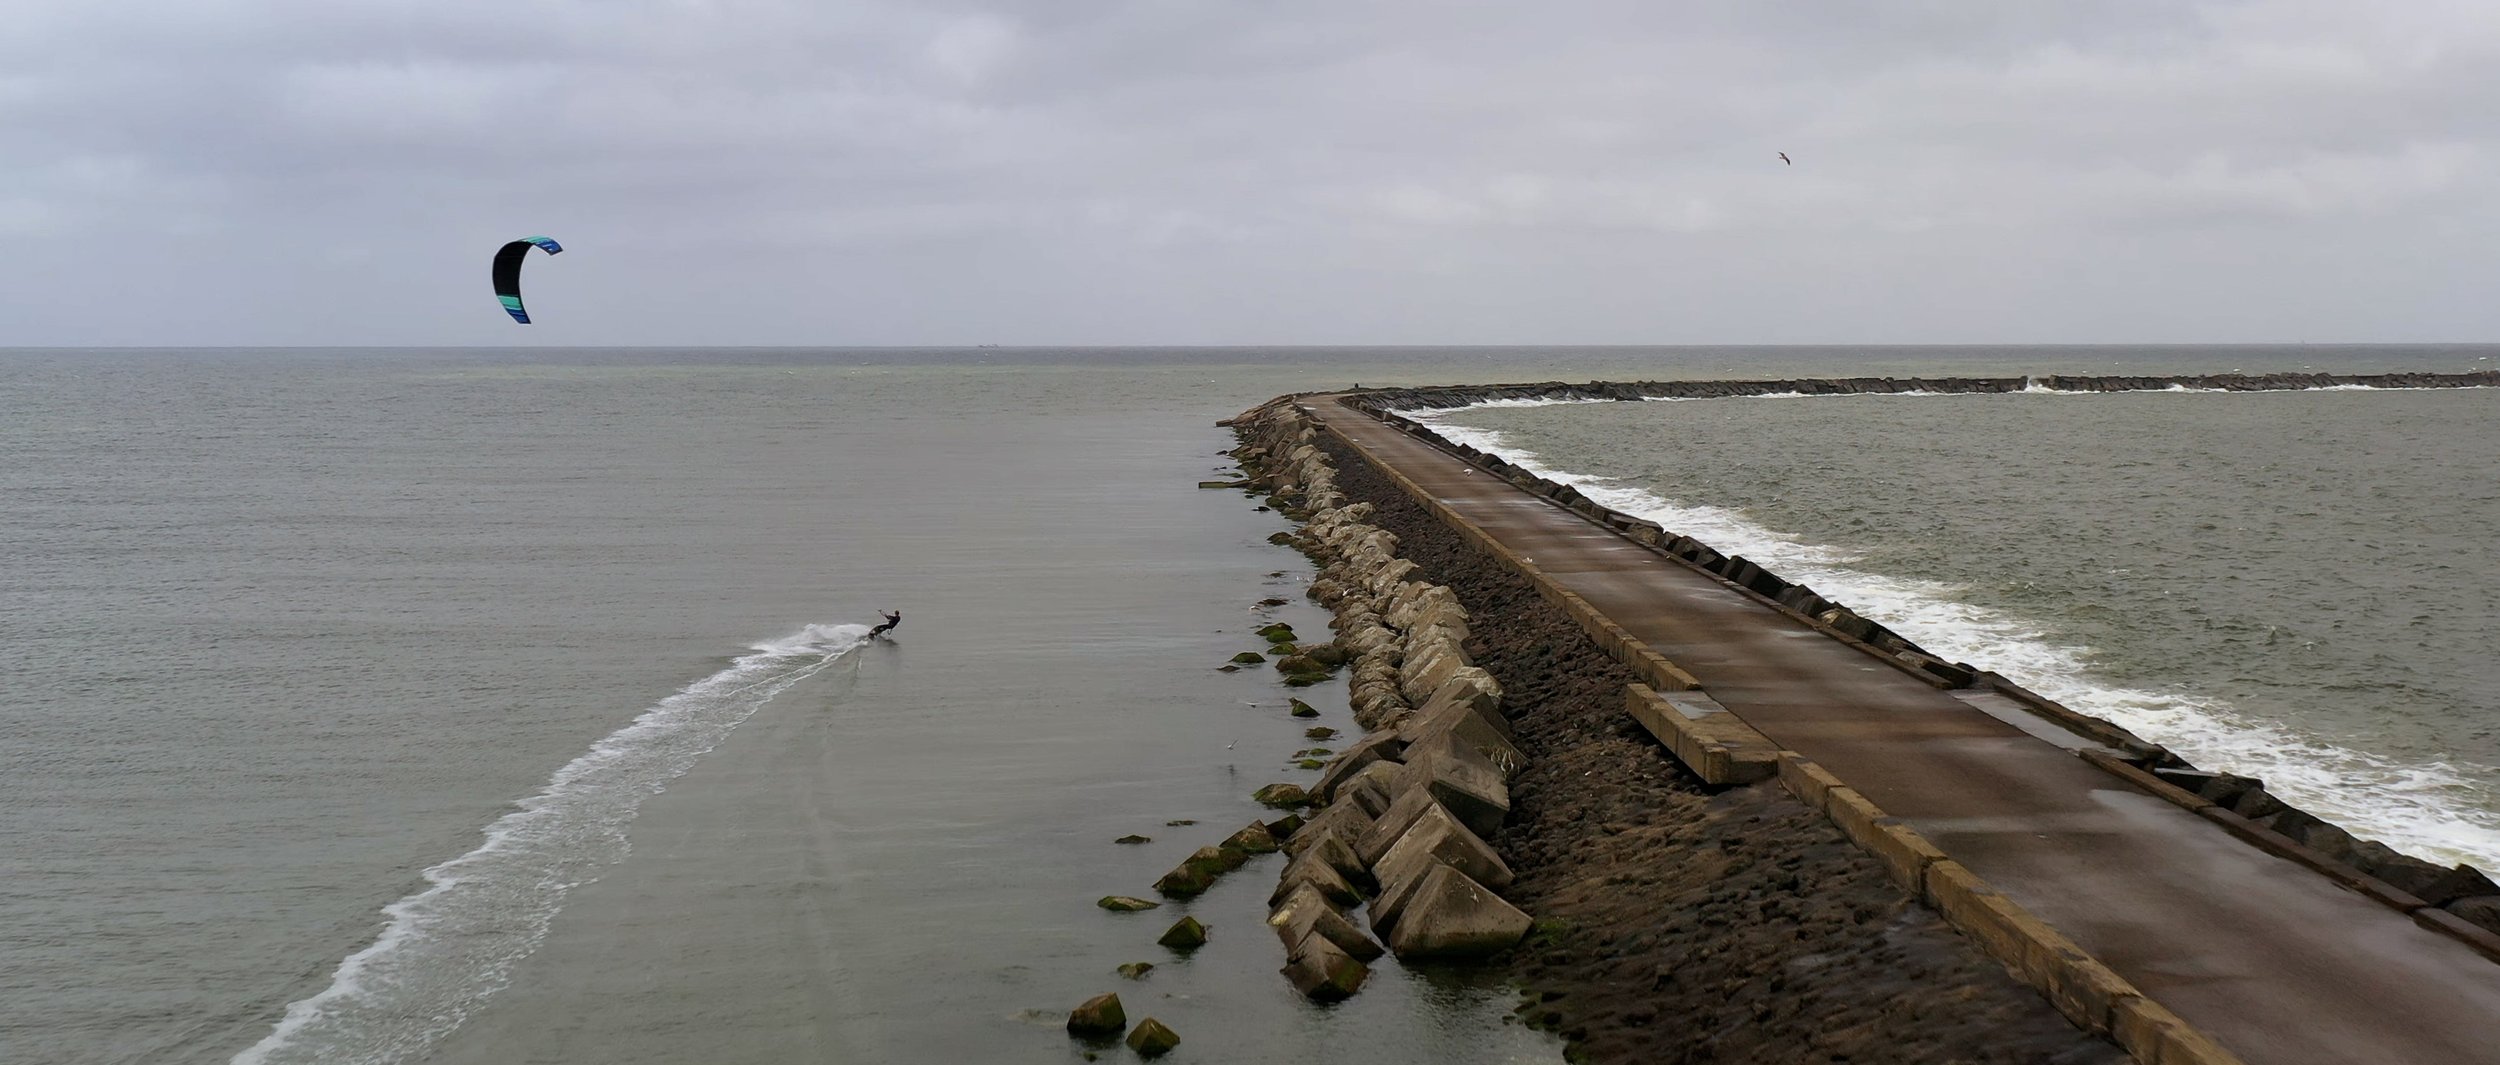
[
  {"x": 1677, "y": 922},
  {"x": 1446, "y": 397},
  {"x": 2458, "y": 901}
]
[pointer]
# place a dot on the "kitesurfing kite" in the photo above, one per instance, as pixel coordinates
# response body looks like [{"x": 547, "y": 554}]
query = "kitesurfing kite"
[{"x": 508, "y": 273}]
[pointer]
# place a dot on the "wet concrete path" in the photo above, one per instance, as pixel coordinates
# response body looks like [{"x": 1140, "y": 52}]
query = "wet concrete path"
[{"x": 2274, "y": 961}]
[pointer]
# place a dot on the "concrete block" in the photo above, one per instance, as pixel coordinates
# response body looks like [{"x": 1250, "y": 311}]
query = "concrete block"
[
  {"x": 1435, "y": 840},
  {"x": 1904, "y": 854},
  {"x": 1809, "y": 782},
  {"x": 2155, "y": 1036},
  {"x": 1371, "y": 789},
  {"x": 2081, "y": 988},
  {"x": 1662, "y": 674},
  {"x": 1460, "y": 721},
  {"x": 1344, "y": 821},
  {"x": 1322, "y": 971},
  {"x": 1713, "y": 743},
  {"x": 1382, "y": 833},
  {"x": 1464, "y": 781},
  {"x": 1371, "y": 748},
  {"x": 1451, "y": 916},
  {"x": 1317, "y": 873},
  {"x": 1305, "y": 911}
]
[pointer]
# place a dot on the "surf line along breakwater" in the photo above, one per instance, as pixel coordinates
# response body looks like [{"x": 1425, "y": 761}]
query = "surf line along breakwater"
[
  {"x": 1670, "y": 920},
  {"x": 2094, "y": 878}
]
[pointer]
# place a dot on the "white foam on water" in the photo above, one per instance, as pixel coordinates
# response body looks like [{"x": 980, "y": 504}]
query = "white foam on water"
[
  {"x": 2434, "y": 809},
  {"x": 445, "y": 950}
]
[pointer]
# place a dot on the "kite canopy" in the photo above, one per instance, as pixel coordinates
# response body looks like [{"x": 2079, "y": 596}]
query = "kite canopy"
[{"x": 508, "y": 273}]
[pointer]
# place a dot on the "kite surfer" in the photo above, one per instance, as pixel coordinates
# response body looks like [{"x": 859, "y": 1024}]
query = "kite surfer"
[{"x": 891, "y": 620}]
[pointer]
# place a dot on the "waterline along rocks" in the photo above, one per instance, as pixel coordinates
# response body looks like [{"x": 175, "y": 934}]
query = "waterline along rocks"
[{"x": 1405, "y": 808}]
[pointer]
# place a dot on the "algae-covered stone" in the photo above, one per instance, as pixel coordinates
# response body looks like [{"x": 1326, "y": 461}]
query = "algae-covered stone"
[
  {"x": 1328, "y": 655},
  {"x": 1136, "y": 970},
  {"x": 1100, "y": 1015},
  {"x": 1278, "y": 632},
  {"x": 1185, "y": 934},
  {"x": 1280, "y": 650},
  {"x": 1223, "y": 484},
  {"x": 1282, "y": 796},
  {"x": 1283, "y": 828},
  {"x": 1303, "y": 709},
  {"x": 1125, "y": 904},
  {"x": 1318, "y": 732},
  {"x": 1305, "y": 680},
  {"x": 1249, "y": 658},
  {"x": 1310, "y": 763},
  {"x": 1252, "y": 839},
  {"x": 1322, "y": 971},
  {"x": 1298, "y": 663},
  {"x": 1152, "y": 1039},
  {"x": 1228, "y": 668},
  {"x": 1181, "y": 821},
  {"x": 1187, "y": 881},
  {"x": 1134, "y": 839}
]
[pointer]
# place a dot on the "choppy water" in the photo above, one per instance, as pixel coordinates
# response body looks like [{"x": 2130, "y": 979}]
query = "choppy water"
[
  {"x": 383, "y": 706},
  {"x": 2298, "y": 586}
]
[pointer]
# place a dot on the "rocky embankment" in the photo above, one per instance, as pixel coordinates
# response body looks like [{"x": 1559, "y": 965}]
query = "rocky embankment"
[
  {"x": 1403, "y": 811},
  {"x": 1501, "y": 778},
  {"x": 2457, "y": 900}
]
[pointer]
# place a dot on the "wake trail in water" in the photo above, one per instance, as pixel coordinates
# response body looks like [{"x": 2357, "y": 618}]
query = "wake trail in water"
[
  {"x": 446, "y": 949},
  {"x": 2435, "y": 808}
]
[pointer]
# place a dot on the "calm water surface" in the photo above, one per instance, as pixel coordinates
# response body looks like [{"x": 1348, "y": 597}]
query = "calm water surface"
[{"x": 395, "y": 706}]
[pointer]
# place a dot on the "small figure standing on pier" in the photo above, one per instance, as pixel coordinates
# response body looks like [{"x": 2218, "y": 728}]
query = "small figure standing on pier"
[{"x": 891, "y": 620}]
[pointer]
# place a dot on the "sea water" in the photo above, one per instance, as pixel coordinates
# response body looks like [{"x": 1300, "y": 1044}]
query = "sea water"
[{"x": 484, "y": 706}]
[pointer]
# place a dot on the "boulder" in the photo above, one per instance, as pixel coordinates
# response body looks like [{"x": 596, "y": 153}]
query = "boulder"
[
  {"x": 1100, "y": 1015},
  {"x": 1343, "y": 821},
  {"x": 1136, "y": 970},
  {"x": 1292, "y": 664},
  {"x": 1428, "y": 665},
  {"x": 1282, "y": 796},
  {"x": 1382, "y": 832},
  {"x": 1303, "y": 709},
  {"x": 1249, "y": 658},
  {"x": 2464, "y": 881},
  {"x": 2481, "y": 910},
  {"x": 1319, "y": 732},
  {"x": 1185, "y": 935},
  {"x": 1461, "y": 723},
  {"x": 1152, "y": 1039},
  {"x": 1254, "y": 838},
  {"x": 1466, "y": 694},
  {"x": 1316, "y": 872},
  {"x": 1186, "y": 881},
  {"x": 1283, "y": 828},
  {"x": 1451, "y": 916},
  {"x": 1374, "y": 789},
  {"x": 1306, "y": 911},
  {"x": 1436, "y": 840},
  {"x": 1124, "y": 904},
  {"x": 1463, "y": 780},
  {"x": 1278, "y": 632},
  {"x": 1133, "y": 839},
  {"x": 1322, "y": 971},
  {"x": 1371, "y": 748}
]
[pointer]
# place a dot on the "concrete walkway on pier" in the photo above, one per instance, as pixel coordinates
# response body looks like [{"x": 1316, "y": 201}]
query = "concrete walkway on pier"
[{"x": 2274, "y": 961}]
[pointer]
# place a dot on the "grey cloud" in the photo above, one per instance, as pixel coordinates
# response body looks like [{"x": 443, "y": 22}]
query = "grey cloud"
[{"x": 1123, "y": 171}]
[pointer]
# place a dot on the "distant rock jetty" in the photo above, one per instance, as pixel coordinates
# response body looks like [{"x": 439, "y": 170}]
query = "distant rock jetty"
[{"x": 1445, "y": 397}]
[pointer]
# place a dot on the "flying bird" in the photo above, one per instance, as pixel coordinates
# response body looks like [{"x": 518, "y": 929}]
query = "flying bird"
[{"x": 1784, "y": 158}]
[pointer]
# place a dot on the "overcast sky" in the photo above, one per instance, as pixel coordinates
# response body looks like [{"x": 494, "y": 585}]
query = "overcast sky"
[{"x": 869, "y": 172}]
